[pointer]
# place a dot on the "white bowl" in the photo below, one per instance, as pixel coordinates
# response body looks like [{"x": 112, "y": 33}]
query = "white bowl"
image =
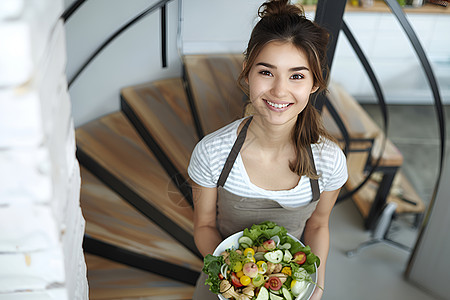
[{"x": 232, "y": 242}]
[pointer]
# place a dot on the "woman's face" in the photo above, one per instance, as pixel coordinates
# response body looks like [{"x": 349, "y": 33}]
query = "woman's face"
[{"x": 280, "y": 83}]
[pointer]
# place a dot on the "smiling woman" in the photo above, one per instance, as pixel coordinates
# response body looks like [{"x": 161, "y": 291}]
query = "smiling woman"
[{"x": 279, "y": 164}]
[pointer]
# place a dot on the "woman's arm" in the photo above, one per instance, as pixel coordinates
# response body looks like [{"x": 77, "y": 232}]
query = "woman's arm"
[
  {"x": 317, "y": 234},
  {"x": 206, "y": 235}
]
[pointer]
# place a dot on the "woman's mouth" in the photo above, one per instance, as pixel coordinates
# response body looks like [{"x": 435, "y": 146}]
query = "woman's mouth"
[{"x": 277, "y": 106}]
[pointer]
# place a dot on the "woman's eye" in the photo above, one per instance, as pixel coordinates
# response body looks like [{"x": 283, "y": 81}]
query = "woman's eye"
[
  {"x": 297, "y": 76},
  {"x": 265, "y": 73}
]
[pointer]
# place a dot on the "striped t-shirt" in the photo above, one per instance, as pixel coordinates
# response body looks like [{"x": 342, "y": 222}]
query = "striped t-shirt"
[{"x": 210, "y": 154}]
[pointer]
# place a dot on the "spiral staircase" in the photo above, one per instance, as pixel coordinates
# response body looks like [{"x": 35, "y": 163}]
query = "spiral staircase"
[{"x": 135, "y": 193}]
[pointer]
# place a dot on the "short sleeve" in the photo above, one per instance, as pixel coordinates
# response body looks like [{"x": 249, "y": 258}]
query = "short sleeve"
[
  {"x": 199, "y": 168},
  {"x": 339, "y": 174}
]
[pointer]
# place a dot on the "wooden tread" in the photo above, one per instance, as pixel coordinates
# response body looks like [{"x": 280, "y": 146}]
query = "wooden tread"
[
  {"x": 401, "y": 189},
  {"x": 111, "y": 146},
  {"x": 109, "y": 218},
  {"x": 359, "y": 125},
  {"x": 213, "y": 82},
  {"x": 109, "y": 280},
  {"x": 163, "y": 110}
]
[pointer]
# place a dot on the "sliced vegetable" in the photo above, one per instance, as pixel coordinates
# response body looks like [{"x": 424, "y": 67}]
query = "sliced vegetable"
[
  {"x": 262, "y": 267},
  {"x": 223, "y": 270},
  {"x": 274, "y": 256},
  {"x": 274, "y": 283},
  {"x": 300, "y": 257},
  {"x": 258, "y": 280},
  {"x": 275, "y": 297},
  {"x": 286, "y": 294},
  {"x": 235, "y": 280},
  {"x": 276, "y": 239},
  {"x": 245, "y": 280},
  {"x": 245, "y": 240},
  {"x": 263, "y": 294},
  {"x": 287, "y": 256},
  {"x": 285, "y": 246}
]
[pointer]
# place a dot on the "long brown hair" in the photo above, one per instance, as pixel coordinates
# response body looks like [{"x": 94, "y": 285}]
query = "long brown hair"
[{"x": 283, "y": 22}]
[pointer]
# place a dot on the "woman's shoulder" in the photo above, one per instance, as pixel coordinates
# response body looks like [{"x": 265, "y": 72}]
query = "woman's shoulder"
[
  {"x": 326, "y": 145},
  {"x": 222, "y": 135}
]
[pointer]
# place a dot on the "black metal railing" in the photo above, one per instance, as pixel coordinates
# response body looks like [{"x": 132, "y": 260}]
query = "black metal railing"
[
  {"x": 329, "y": 14},
  {"x": 159, "y": 5}
]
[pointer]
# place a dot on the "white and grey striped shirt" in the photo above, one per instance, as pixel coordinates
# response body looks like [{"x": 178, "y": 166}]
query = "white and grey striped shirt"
[{"x": 210, "y": 154}]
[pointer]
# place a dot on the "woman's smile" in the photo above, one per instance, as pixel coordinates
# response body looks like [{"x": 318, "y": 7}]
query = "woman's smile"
[{"x": 277, "y": 106}]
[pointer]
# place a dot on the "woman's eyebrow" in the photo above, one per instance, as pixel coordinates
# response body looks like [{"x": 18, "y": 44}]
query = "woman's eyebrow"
[{"x": 267, "y": 65}]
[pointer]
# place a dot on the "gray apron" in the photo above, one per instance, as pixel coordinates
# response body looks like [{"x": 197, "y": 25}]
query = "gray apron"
[{"x": 234, "y": 213}]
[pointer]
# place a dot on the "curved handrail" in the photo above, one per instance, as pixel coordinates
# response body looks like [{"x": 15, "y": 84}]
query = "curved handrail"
[
  {"x": 400, "y": 15},
  {"x": 381, "y": 101},
  {"x": 398, "y": 12},
  {"x": 71, "y": 9},
  {"x": 159, "y": 4}
]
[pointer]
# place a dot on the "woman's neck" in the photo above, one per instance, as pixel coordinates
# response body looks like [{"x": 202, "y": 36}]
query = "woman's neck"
[{"x": 268, "y": 136}]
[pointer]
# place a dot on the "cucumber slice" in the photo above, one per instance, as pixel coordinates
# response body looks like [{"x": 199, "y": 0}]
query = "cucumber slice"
[
  {"x": 274, "y": 256},
  {"x": 275, "y": 297},
  {"x": 263, "y": 294},
  {"x": 285, "y": 246},
  {"x": 287, "y": 256},
  {"x": 244, "y": 245},
  {"x": 245, "y": 240},
  {"x": 287, "y": 295}
]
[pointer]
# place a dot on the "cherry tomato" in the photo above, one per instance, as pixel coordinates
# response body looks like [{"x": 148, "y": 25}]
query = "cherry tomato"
[
  {"x": 245, "y": 280},
  {"x": 274, "y": 283},
  {"x": 300, "y": 257},
  {"x": 235, "y": 280}
]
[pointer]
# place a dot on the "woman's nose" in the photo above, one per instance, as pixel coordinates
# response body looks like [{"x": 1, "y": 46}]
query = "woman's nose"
[{"x": 279, "y": 88}]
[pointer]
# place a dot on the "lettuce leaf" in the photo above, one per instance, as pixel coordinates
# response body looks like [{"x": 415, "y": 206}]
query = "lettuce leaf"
[
  {"x": 211, "y": 267},
  {"x": 263, "y": 231}
]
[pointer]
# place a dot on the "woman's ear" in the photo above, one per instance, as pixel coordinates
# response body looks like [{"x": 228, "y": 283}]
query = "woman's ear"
[{"x": 314, "y": 89}]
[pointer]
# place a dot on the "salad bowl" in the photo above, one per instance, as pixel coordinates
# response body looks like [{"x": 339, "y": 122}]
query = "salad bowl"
[{"x": 232, "y": 242}]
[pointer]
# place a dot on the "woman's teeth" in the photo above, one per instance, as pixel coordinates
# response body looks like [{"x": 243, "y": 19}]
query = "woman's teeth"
[{"x": 277, "y": 105}]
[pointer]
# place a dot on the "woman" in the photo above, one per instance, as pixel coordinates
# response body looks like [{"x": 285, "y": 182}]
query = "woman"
[{"x": 278, "y": 164}]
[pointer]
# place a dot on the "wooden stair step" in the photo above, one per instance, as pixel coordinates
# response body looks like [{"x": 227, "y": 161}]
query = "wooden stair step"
[
  {"x": 213, "y": 82},
  {"x": 109, "y": 280},
  {"x": 359, "y": 125},
  {"x": 111, "y": 219},
  {"x": 401, "y": 189},
  {"x": 110, "y": 148},
  {"x": 162, "y": 109}
]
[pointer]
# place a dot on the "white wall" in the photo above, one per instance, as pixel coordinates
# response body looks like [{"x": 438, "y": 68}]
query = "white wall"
[
  {"x": 133, "y": 58},
  {"x": 41, "y": 223},
  {"x": 393, "y": 59},
  {"x": 224, "y": 26}
]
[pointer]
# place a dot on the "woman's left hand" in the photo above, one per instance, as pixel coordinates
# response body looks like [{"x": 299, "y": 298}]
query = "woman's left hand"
[{"x": 317, "y": 294}]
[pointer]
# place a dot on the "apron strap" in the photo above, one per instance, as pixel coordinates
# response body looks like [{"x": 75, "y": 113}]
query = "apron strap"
[
  {"x": 314, "y": 182},
  {"x": 233, "y": 154},
  {"x": 235, "y": 151}
]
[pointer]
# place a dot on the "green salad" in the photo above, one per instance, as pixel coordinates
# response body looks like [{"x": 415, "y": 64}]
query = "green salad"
[{"x": 267, "y": 265}]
